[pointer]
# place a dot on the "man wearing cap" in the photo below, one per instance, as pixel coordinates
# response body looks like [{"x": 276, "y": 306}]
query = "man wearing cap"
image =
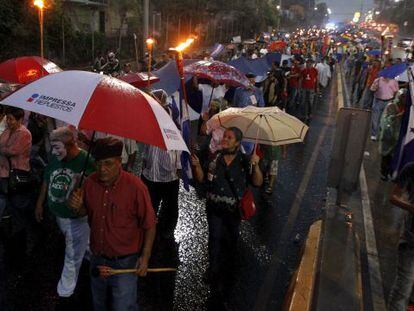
[
  {"x": 61, "y": 177},
  {"x": 122, "y": 223},
  {"x": 250, "y": 96}
]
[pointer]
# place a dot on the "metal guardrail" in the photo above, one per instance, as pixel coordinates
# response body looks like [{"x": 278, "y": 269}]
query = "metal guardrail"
[{"x": 329, "y": 275}]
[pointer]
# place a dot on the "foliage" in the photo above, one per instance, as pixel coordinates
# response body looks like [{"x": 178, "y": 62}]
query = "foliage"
[{"x": 212, "y": 21}]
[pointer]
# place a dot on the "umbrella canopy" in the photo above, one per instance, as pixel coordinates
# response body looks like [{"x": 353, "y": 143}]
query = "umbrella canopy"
[
  {"x": 217, "y": 72},
  {"x": 23, "y": 70},
  {"x": 268, "y": 126},
  {"x": 98, "y": 102},
  {"x": 393, "y": 71},
  {"x": 374, "y": 52},
  {"x": 139, "y": 79},
  {"x": 403, "y": 77}
]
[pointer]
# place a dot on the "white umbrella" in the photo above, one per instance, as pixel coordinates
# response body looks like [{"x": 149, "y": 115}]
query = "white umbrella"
[{"x": 267, "y": 126}]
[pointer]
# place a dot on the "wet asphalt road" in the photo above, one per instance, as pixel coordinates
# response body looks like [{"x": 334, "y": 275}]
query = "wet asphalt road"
[{"x": 268, "y": 251}]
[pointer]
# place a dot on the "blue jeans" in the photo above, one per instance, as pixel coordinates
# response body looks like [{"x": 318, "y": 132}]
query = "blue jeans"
[
  {"x": 120, "y": 289},
  {"x": 307, "y": 100},
  {"x": 292, "y": 99},
  {"x": 377, "y": 109},
  {"x": 404, "y": 281}
]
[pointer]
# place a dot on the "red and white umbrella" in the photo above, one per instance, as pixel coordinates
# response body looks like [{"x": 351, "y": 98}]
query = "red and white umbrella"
[
  {"x": 23, "y": 70},
  {"x": 97, "y": 102}
]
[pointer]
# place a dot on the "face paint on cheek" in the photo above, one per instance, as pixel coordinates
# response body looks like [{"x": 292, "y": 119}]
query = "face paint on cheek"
[{"x": 59, "y": 150}]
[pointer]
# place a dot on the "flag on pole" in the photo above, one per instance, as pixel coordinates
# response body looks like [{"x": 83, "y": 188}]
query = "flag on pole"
[
  {"x": 405, "y": 147},
  {"x": 187, "y": 174},
  {"x": 175, "y": 112}
]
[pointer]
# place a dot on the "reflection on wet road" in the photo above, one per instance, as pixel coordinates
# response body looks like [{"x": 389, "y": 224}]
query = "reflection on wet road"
[
  {"x": 266, "y": 241},
  {"x": 268, "y": 250}
]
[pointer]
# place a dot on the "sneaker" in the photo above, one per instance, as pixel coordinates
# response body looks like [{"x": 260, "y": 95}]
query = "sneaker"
[{"x": 374, "y": 138}]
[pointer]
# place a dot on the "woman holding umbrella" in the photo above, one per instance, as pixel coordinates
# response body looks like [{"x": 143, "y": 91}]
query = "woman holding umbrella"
[{"x": 227, "y": 177}]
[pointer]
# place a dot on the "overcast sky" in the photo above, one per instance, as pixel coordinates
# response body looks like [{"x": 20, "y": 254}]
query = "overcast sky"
[{"x": 345, "y": 9}]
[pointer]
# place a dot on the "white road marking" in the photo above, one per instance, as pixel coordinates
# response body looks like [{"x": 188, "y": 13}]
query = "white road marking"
[
  {"x": 266, "y": 288},
  {"x": 374, "y": 269}
]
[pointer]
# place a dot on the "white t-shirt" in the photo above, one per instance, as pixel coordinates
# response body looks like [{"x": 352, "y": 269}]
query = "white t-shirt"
[
  {"x": 218, "y": 93},
  {"x": 324, "y": 73}
]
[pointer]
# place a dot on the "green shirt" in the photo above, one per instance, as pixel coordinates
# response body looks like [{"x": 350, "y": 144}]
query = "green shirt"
[{"x": 62, "y": 177}]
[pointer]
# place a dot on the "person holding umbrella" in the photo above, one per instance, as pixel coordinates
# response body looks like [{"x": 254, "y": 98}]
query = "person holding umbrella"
[
  {"x": 61, "y": 178},
  {"x": 122, "y": 222},
  {"x": 226, "y": 175}
]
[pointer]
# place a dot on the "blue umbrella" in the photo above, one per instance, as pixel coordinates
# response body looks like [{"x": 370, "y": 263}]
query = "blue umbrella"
[
  {"x": 374, "y": 52},
  {"x": 393, "y": 71}
]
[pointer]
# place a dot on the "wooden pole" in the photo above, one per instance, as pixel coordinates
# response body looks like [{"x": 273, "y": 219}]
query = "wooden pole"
[{"x": 149, "y": 63}]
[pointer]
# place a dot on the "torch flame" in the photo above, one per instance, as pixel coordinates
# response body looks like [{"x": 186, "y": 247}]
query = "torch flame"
[
  {"x": 150, "y": 41},
  {"x": 182, "y": 46},
  {"x": 39, "y": 3}
]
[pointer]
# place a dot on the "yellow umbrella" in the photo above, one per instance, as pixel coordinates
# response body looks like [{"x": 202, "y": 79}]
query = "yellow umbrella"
[{"x": 267, "y": 126}]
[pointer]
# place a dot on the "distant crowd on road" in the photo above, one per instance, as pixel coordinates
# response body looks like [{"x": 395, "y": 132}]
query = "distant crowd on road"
[{"x": 384, "y": 86}]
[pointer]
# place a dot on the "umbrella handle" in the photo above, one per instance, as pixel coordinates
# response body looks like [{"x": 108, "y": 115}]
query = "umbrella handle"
[
  {"x": 255, "y": 143},
  {"x": 211, "y": 97},
  {"x": 88, "y": 155}
]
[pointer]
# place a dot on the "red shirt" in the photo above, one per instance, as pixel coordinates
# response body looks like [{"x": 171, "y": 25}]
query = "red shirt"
[
  {"x": 118, "y": 215},
  {"x": 309, "y": 78},
  {"x": 294, "y": 82},
  {"x": 372, "y": 75}
]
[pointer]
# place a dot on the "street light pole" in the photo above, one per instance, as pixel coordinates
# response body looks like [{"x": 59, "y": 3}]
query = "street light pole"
[
  {"x": 40, "y": 5},
  {"x": 279, "y": 20},
  {"x": 146, "y": 19}
]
